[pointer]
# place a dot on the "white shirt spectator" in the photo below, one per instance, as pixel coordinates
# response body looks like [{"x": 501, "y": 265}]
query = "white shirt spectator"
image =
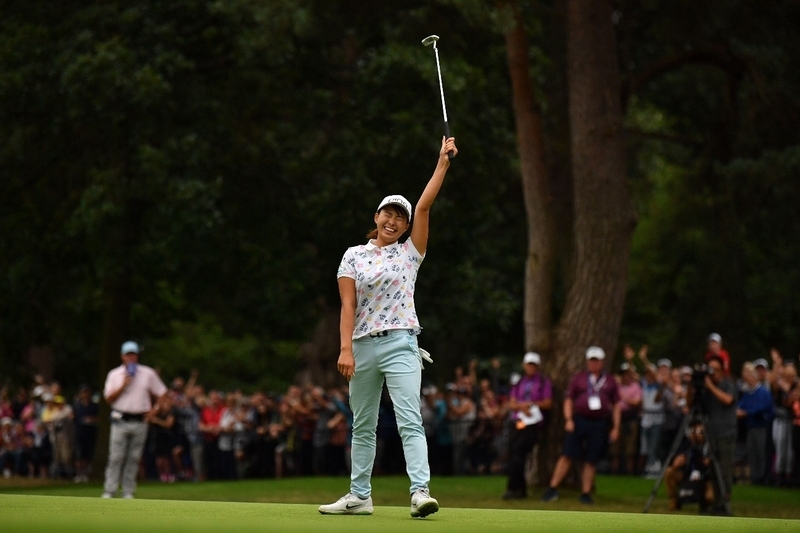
[{"x": 137, "y": 397}]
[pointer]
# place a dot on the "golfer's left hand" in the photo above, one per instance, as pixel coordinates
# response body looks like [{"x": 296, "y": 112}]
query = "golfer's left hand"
[
  {"x": 613, "y": 435},
  {"x": 448, "y": 145}
]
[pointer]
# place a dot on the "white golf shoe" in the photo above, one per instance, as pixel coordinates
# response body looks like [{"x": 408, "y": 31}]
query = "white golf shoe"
[
  {"x": 422, "y": 504},
  {"x": 348, "y": 504}
]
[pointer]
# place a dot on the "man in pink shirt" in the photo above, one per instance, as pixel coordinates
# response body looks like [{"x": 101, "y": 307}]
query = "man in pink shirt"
[{"x": 130, "y": 390}]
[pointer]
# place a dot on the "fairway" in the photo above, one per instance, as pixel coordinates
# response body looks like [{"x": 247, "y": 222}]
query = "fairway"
[{"x": 72, "y": 514}]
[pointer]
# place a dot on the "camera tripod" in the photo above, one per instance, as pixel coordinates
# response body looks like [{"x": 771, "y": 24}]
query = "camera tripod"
[{"x": 696, "y": 413}]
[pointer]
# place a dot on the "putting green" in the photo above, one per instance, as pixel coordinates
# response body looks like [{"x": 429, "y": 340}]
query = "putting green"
[{"x": 22, "y": 514}]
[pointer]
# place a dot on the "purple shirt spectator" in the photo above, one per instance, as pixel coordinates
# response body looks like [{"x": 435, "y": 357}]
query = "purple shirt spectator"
[
  {"x": 531, "y": 389},
  {"x": 582, "y": 387}
]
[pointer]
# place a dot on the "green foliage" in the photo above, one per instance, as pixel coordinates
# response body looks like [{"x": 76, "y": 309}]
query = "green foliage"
[
  {"x": 223, "y": 362},
  {"x": 715, "y": 180},
  {"x": 215, "y": 160}
]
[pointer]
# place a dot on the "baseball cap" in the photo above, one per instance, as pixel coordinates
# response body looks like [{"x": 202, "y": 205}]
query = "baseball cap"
[
  {"x": 686, "y": 370},
  {"x": 396, "y": 199},
  {"x": 624, "y": 367},
  {"x": 532, "y": 357},
  {"x": 430, "y": 389},
  {"x": 761, "y": 362},
  {"x": 595, "y": 352},
  {"x": 130, "y": 347},
  {"x": 714, "y": 337},
  {"x": 664, "y": 362}
]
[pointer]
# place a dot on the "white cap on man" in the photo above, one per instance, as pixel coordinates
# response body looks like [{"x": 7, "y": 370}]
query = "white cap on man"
[
  {"x": 532, "y": 357},
  {"x": 130, "y": 347},
  {"x": 715, "y": 337},
  {"x": 400, "y": 201},
  {"x": 761, "y": 362},
  {"x": 595, "y": 352},
  {"x": 664, "y": 362}
]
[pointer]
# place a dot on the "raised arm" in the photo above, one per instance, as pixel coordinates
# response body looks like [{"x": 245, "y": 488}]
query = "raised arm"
[{"x": 419, "y": 231}]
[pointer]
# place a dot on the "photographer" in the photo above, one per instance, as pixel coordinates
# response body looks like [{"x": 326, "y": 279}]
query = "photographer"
[{"x": 716, "y": 394}]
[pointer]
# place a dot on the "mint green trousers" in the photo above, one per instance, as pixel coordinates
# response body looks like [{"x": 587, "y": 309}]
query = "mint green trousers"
[{"x": 394, "y": 359}]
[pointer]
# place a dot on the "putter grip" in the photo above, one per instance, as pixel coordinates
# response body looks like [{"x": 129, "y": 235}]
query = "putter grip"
[{"x": 450, "y": 154}]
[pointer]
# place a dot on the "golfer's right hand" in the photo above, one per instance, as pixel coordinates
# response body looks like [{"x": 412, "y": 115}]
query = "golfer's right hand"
[
  {"x": 346, "y": 365},
  {"x": 569, "y": 426}
]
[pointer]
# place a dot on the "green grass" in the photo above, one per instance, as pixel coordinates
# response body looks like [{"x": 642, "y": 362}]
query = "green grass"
[{"x": 469, "y": 504}]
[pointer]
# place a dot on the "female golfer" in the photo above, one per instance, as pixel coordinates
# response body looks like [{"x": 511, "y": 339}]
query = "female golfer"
[{"x": 378, "y": 330}]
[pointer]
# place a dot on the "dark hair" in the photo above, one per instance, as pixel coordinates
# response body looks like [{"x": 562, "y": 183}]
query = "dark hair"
[
  {"x": 717, "y": 359},
  {"x": 373, "y": 234}
]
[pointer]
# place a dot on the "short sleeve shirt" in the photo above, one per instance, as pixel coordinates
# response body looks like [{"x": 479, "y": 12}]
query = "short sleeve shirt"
[
  {"x": 531, "y": 389},
  {"x": 385, "y": 278},
  {"x": 722, "y": 421},
  {"x": 135, "y": 399},
  {"x": 582, "y": 386}
]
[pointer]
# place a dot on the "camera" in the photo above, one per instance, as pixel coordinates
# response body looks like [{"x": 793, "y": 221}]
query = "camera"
[{"x": 699, "y": 376}]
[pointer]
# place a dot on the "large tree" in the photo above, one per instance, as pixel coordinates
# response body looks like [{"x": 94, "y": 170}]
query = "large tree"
[{"x": 597, "y": 241}]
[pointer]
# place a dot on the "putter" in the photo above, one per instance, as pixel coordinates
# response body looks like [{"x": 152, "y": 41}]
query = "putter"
[{"x": 431, "y": 41}]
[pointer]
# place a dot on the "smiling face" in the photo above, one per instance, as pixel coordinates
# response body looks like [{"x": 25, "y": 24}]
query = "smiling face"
[{"x": 392, "y": 222}]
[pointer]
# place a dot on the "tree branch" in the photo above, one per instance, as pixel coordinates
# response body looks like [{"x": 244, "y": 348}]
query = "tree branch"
[{"x": 717, "y": 56}]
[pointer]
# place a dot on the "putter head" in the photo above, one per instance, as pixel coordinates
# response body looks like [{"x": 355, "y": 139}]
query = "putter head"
[{"x": 430, "y": 40}]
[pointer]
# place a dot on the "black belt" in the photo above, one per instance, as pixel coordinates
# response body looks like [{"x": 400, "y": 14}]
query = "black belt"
[
  {"x": 131, "y": 417},
  {"x": 384, "y": 333}
]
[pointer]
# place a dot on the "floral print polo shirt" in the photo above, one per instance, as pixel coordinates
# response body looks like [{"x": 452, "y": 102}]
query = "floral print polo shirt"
[{"x": 385, "y": 279}]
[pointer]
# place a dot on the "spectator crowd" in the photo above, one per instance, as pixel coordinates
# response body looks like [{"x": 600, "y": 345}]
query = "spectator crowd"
[{"x": 198, "y": 434}]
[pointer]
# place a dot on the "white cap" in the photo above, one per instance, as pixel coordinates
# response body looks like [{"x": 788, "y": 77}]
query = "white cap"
[
  {"x": 714, "y": 337},
  {"x": 595, "y": 352},
  {"x": 664, "y": 362},
  {"x": 396, "y": 199},
  {"x": 761, "y": 362},
  {"x": 130, "y": 347},
  {"x": 532, "y": 357}
]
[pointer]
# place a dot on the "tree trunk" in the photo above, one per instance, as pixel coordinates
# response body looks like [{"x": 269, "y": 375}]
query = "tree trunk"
[
  {"x": 603, "y": 216},
  {"x": 541, "y": 254},
  {"x": 604, "y": 220},
  {"x": 118, "y": 292},
  {"x": 116, "y": 326}
]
